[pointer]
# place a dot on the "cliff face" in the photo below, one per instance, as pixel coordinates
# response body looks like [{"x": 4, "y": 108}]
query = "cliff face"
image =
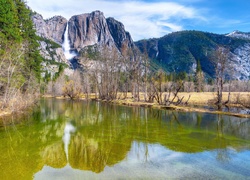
[
  {"x": 122, "y": 38},
  {"x": 94, "y": 29},
  {"x": 89, "y": 29},
  {"x": 176, "y": 52},
  {"x": 51, "y": 33},
  {"x": 52, "y": 28},
  {"x": 51, "y": 38},
  {"x": 85, "y": 30}
]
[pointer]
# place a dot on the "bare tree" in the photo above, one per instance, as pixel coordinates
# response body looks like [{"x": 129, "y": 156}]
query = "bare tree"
[
  {"x": 73, "y": 87},
  {"x": 11, "y": 80},
  {"x": 222, "y": 57}
]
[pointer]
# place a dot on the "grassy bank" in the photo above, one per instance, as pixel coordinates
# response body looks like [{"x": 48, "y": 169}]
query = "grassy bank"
[
  {"x": 196, "y": 103},
  {"x": 17, "y": 104},
  {"x": 196, "y": 99}
]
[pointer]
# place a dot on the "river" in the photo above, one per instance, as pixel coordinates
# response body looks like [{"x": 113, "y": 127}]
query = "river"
[{"x": 62, "y": 139}]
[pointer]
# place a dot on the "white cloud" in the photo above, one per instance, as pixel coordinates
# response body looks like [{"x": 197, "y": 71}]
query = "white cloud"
[{"x": 141, "y": 19}]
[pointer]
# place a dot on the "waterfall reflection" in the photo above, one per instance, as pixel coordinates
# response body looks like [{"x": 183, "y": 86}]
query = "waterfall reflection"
[
  {"x": 69, "y": 128},
  {"x": 101, "y": 135},
  {"x": 106, "y": 133}
]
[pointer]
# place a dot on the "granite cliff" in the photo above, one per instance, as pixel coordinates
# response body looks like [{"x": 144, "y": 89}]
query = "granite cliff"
[
  {"x": 84, "y": 30},
  {"x": 94, "y": 29},
  {"x": 175, "y": 52},
  {"x": 51, "y": 33},
  {"x": 89, "y": 29},
  {"x": 52, "y": 29}
]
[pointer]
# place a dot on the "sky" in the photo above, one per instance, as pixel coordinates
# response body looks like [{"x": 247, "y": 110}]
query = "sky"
[{"x": 155, "y": 18}]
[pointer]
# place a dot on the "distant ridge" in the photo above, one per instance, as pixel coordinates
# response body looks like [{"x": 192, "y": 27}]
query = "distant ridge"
[{"x": 180, "y": 51}]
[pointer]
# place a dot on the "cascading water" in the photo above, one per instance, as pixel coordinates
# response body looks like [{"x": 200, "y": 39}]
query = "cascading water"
[{"x": 66, "y": 45}]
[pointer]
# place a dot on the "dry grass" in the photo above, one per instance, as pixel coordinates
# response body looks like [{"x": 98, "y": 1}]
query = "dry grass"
[
  {"x": 18, "y": 103},
  {"x": 207, "y": 98},
  {"x": 203, "y": 98},
  {"x": 196, "y": 98}
]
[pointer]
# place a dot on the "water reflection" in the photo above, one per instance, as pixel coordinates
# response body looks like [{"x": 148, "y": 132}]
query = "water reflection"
[
  {"x": 69, "y": 128},
  {"x": 92, "y": 139}
]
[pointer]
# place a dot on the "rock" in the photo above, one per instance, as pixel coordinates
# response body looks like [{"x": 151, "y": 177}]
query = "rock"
[
  {"x": 241, "y": 62},
  {"x": 51, "y": 32},
  {"x": 93, "y": 29},
  {"x": 122, "y": 38},
  {"x": 56, "y": 26},
  {"x": 60, "y": 57},
  {"x": 89, "y": 29},
  {"x": 52, "y": 28},
  {"x": 49, "y": 52}
]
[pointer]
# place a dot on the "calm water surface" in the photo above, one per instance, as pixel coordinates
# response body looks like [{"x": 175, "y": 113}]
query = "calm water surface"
[{"x": 80, "y": 140}]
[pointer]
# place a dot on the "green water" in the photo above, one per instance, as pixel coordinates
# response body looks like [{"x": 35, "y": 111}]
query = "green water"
[{"x": 78, "y": 140}]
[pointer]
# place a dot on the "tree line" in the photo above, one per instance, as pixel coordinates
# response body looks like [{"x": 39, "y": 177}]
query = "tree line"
[
  {"x": 106, "y": 74},
  {"x": 110, "y": 76},
  {"x": 19, "y": 55}
]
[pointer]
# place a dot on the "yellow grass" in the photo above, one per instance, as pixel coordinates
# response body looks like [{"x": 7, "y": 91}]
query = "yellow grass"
[
  {"x": 209, "y": 97},
  {"x": 5, "y": 113},
  {"x": 202, "y": 98},
  {"x": 196, "y": 98}
]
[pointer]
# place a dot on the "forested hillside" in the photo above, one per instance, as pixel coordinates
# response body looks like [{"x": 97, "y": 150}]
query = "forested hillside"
[
  {"x": 19, "y": 55},
  {"x": 180, "y": 52}
]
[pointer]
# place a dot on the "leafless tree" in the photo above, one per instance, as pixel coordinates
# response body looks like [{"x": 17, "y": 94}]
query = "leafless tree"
[
  {"x": 73, "y": 87},
  {"x": 221, "y": 62}
]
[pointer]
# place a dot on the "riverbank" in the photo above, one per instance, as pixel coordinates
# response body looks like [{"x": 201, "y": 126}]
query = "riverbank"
[
  {"x": 19, "y": 104},
  {"x": 5, "y": 113},
  {"x": 196, "y": 102},
  {"x": 178, "y": 108}
]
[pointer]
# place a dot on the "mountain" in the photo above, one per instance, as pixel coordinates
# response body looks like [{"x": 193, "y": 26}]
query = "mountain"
[
  {"x": 85, "y": 31},
  {"x": 51, "y": 33},
  {"x": 94, "y": 29},
  {"x": 91, "y": 33},
  {"x": 180, "y": 51},
  {"x": 239, "y": 35},
  {"x": 52, "y": 28}
]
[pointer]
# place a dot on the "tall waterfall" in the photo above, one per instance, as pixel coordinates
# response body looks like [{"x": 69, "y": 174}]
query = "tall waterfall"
[
  {"x": 69, "y": 128},
  {"x": 66, "y": 45}
]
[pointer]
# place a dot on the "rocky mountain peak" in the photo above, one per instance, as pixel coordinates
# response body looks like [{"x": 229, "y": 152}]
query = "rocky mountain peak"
[
  {"x": 81, "y": 33},
  {"x": 52, "y": 28},
  {"x": 89, "y": 29},
  {"x": 96, "y": 13},
  {"x": 94, "y": 29},
  {"x": 239, "y": 35},
  {"x": 121, "y": 37}
]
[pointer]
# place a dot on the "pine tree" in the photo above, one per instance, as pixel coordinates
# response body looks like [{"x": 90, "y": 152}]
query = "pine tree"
[
  {"x": 32, "y": 56},
  {"x": 19, "y": 55},
  {"x": 9, "y": 30},
  {"x": 199, "y": 78}
]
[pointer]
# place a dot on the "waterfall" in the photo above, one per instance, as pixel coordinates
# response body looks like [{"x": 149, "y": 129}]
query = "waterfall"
[
  {"x": 69, "y": 128},
  {"x": 66, "y": 45}
]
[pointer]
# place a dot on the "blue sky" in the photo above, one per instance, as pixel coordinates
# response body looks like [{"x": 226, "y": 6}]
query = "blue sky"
[{"x": 156, "y": 18}]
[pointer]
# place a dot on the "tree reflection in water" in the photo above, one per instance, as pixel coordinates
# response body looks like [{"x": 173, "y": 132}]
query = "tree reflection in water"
[{"x": 92, "y": 136}]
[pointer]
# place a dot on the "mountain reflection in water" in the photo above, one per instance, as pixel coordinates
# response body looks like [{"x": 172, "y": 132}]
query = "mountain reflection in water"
[{"x": 65, "y": 139}]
